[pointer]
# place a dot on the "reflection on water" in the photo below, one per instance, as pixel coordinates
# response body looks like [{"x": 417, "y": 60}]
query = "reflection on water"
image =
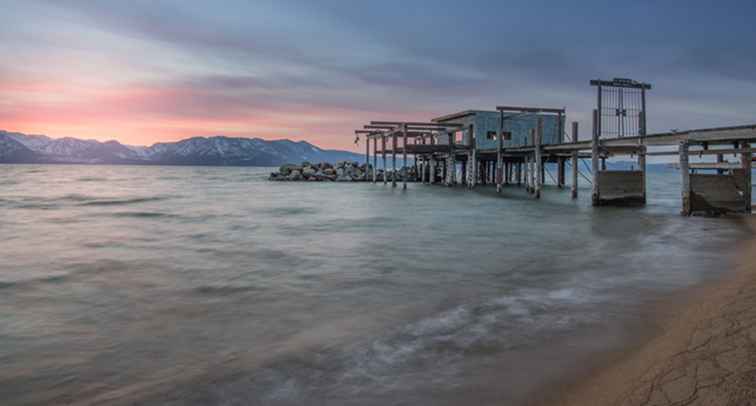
[{"x": 190, "y": 285}]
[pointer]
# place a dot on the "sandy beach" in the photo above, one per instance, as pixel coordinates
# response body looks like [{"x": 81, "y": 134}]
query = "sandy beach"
[{"x": 703, "y": 352}]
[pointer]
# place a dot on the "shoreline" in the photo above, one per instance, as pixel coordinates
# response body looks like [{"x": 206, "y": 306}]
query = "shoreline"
[{"x": 699, "y": 347}]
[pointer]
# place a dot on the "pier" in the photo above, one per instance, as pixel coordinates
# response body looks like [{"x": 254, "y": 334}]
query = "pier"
[{"x": 511, "y": 145}]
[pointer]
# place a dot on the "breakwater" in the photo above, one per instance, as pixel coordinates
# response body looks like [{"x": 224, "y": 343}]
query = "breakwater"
[{"x": 344, "y": 171}]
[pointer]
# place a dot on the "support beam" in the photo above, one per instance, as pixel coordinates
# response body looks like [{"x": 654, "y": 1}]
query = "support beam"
[
  {"x": 746, "y": 160},
  {"x": 367, "y": 158},
  {"x": 393, "y": 159},
  {"x": 642, "y": 167},
  {"x": 432, "y": 171},
  {"x": 473, "y": 160},
  {"x": 499, "y": 159},
  {"x": 375, "y": 159},
  {"x": 538, "y": 158},
  {"x": 531, "y": 174},
  {"x": 383, "y": 153},
  {"x": 574, "y": 185},
  {"x": 685, "y": 173},
  {"x": 518, "y": 175},
  {"x": 720, "y": 160},
  {"x": 560, "y": 172},
  {"x": 596, "y": 194},
  {"x": 404, "y": 153},
  {"x": 451, "y": 170}
]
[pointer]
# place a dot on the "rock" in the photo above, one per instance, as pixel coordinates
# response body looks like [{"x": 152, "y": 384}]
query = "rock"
[
  {"x": 308, "y": 171},
  {"x": 295, "y": 175},
  {"x": 286, "y": 169}
]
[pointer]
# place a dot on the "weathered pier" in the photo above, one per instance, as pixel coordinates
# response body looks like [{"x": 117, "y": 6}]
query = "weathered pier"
[{"x": 513, "y": 144}]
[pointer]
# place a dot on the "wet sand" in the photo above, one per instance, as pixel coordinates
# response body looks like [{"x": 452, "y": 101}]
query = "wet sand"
[{"x": 703, "y": 351}]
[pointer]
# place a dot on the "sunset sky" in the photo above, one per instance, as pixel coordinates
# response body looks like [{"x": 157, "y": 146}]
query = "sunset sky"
[{"x": 147, "y": 71}]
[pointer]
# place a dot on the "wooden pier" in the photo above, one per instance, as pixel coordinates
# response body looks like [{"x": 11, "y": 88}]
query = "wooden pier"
[{"x": 511, "y": 145}]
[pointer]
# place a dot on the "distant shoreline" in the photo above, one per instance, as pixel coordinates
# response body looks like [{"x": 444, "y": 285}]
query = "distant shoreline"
[{"x": 701, "y": 350}]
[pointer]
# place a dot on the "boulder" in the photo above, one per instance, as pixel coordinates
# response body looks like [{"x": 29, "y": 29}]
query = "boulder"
[
  {"x": 295, "y": 175},
  {"x": 308, "y": 171},
  {"x": 286, "y": 169}
]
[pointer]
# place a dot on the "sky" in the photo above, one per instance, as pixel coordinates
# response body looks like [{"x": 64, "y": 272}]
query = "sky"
[{"x": 143, "y": 72}]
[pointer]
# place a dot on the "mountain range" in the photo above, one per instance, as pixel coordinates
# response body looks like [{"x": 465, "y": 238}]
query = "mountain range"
[{"x": 218, "y": 150}]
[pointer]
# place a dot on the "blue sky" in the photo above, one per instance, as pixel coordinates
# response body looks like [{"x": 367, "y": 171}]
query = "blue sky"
[{"x": 148, "y": 71}]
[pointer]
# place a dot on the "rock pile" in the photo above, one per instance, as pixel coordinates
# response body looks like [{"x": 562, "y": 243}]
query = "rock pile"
[{"x": 344, "y": 171}]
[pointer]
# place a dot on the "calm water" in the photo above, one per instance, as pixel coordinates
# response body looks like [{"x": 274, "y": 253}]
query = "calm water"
[{"x": 188, "y": 285}]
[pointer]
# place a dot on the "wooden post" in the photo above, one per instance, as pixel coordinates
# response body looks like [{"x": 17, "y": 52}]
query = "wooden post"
[
  {"x": 423, "y": 167},
  {"x": 560, "y": 172},
  {"x": 432, "y": 171},
  {"x": 375, "y": 159},
  {"x": 596, "y": 195},
  {"x": 464, "y": 173},
  {"x": 720, "y": 160},
  {"x": 518, "y": 174},
  {"x": 499, "y": 158},
  {"x": 642, "y": 166},
  {"x": 393, "y": 159},
  {"x": 367, "y": 158},
  {"x": 531, "y": 175},
  {"x": 473, "y": 175},
  {"x": 685, "y": 172},
  {"x": 574, "y": 186},
  {"x": 746, "y": 159},
  {"x": 404, "y": 153},
  {"x": 538, "y": 158},
  {"x": 451, "y": 170},
  {"x": 383, "y": 153}
]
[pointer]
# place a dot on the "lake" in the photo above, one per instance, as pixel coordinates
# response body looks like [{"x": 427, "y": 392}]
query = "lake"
[{"x": 210, "y": 285}]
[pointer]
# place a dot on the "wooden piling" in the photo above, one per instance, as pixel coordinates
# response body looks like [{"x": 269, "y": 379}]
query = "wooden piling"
[
  {"x": 685, "y": 174},
  {"x": 538, "y": 158},
  {"x": 720, "y": 160},
  {"x": 560, "y": 172},
  {"x": 383, "y": 153},
  {"x": 451, "y": 170},
  {"x": 596, "y": 194},
  {"x": 432, "y": 171},
  {"x": 574, "y": 185},
  {"x": 642, "y": 167},
  {"x": 473, "y": 175},
  {"x": 499, "y": 158},
  {"x": 375, "y": 159},
  {"x": 746, "y": 159},
  {"x": 393, "y": 159},
  {"x": 367, "y": 158},
  {"x": 518, "y": 174},
  {"x": 404, "y": 153},
  {"x": 464, "y": 173}
]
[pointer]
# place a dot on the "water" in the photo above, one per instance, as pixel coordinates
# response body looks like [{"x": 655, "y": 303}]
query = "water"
[{"x": 191, "y": 285}]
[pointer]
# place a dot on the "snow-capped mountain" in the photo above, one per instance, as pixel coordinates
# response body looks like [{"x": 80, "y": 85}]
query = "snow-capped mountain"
[{"x": 18, "y": 147}]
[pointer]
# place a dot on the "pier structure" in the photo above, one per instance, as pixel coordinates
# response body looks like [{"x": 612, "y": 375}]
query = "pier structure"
[{"x": 511, "y": 145}]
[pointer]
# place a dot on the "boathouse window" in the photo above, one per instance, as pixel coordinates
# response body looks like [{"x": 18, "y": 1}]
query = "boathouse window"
[{"x": 505, "y": 136}]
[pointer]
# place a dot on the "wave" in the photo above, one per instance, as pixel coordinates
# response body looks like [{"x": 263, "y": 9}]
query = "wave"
[
  {"x": 143, "y": 214},
  {"x": 442, "y": 342},
  {"x": 126, "y": 201},
  {"x": 224, "y": 290}
]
